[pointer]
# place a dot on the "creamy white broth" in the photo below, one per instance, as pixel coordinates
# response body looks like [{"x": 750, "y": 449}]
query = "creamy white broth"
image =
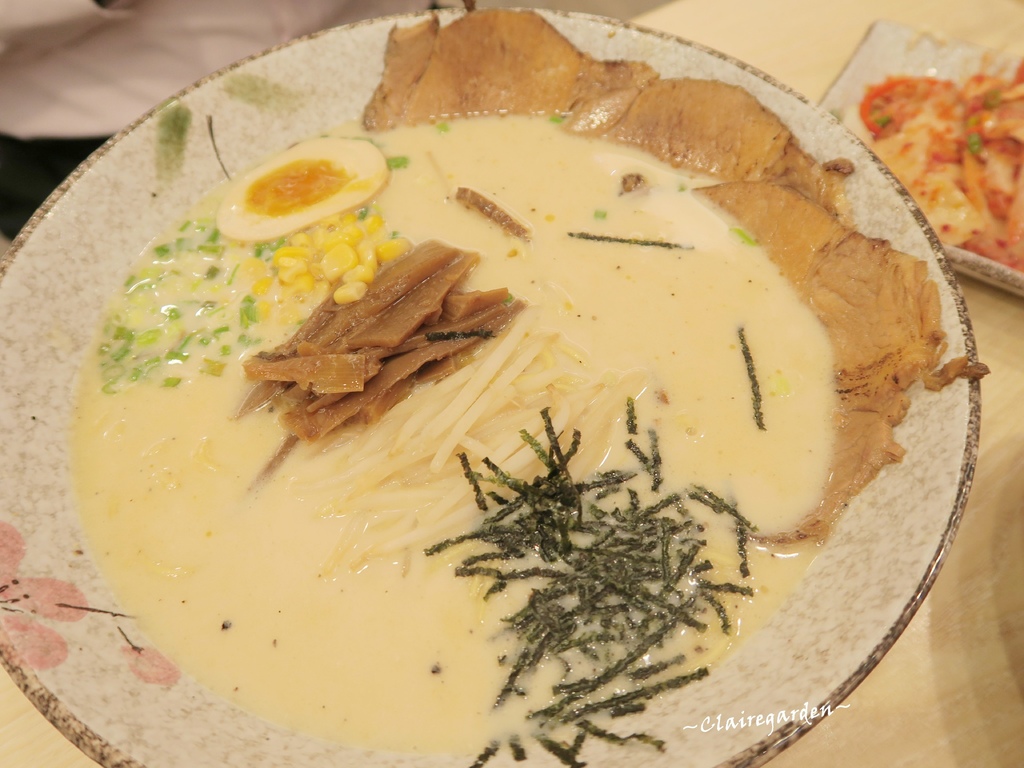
[
  {"x": 246, "y": 588},
  {"x": 676, "y": 312}
]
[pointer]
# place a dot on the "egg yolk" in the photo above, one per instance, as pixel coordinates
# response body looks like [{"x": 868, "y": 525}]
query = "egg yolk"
[{"x": 295, "y": 186}]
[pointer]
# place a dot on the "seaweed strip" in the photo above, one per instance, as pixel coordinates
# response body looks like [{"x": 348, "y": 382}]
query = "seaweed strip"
[
  {"x": 613, "y": 573},
  {"x": 755, "y": 387},
  {"x": 630, "y": 241}
]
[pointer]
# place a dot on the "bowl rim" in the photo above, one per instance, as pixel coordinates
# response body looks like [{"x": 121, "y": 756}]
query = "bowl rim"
[{"x": 95, "y": 746}]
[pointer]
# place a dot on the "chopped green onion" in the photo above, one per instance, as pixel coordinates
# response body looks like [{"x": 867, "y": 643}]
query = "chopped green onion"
[
  {"x": 212, "y": 367},
  {"x": 172, "y": 381},
  {"x": 247, "y": 341},
  {"x": 122, "y": 352},
  {"x": 248, "y": 313},
  {"x": 600, "y": 215},
  {"x": 148, "y": 337},
  {"x": 264, "y": 250},
  {"x": 399, "y": 161},
  {"x": 743, "y": 235},
  {"x": 140, "y": 371},
  {"x": 974, "y": 142},
  {"x": 185, "y": 341}
]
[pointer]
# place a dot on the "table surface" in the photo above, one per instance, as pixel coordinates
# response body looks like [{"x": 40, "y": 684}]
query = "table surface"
[{"x": 950, "y": 693}]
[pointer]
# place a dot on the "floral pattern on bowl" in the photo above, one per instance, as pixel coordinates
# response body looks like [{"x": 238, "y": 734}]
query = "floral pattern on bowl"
[{"x": 30, "y": 605}]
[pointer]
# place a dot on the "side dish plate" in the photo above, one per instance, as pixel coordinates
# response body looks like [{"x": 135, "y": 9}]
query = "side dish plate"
[
  {"x": 89, "y": 668},
  {"x": 895, "y": 49}
]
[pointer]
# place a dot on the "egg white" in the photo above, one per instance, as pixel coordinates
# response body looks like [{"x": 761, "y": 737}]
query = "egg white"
[{"x": 361, "y": 159}]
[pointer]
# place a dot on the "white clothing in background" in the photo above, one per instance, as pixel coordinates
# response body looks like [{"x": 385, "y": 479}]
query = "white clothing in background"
[{"x": 69, "y": 68}]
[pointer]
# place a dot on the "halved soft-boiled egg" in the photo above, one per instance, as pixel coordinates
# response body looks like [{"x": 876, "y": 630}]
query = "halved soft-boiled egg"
[{"x": 298, "y": 187}]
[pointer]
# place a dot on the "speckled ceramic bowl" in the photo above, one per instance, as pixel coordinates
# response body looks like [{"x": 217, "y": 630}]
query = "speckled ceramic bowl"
[{"x": 89, "y": 668}]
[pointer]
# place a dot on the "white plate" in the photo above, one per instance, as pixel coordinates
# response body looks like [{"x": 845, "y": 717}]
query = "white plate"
[{"x": 895, "y": 49}]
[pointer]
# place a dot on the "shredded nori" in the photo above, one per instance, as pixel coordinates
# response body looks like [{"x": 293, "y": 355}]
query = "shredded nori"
[
  {"x": 489, "y": 751},
  {"x": 755, "y": 388},
  {"x": 616, "y": 567},
  {"x": 458, "y": 335},
  {"x": 630, "y": 241}
]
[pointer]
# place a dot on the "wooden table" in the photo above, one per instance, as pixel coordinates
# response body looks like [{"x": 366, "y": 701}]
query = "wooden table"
[{"x": 951, "y": 691}]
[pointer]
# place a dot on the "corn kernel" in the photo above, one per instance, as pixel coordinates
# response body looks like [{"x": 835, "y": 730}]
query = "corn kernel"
[
  {"x": 253, "y": 268},
  {"x": 290, "y": 270},
  {"x": 392, "y": 249},
  {"x": 349, "y": 218},
  {"x": 369, "y": 259},
  {"x": 338, "y": 261},
  {"x": 261, "y": 286},
  {"x": 301, "y": 240},
  {"x": 332, "y": 239},
  {"x": 291, "y": 252},
  {"x": 303, "y": 283},
  {"x": 373, "y": 223},
  {"x": 368, "y": 256},
  {"x": 352, "y": 234},
  {"x": 263, "y": 307},
  {"x": 349, "y": 292},
  {"x": 359, "y": 274}
]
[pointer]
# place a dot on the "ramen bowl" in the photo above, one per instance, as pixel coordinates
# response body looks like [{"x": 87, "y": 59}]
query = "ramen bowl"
[{"x": 89, "y": 667}]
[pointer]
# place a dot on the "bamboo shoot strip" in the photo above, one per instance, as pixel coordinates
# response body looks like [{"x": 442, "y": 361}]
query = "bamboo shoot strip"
[
  {"x": 755, "y": 388},
  {"x": 615, "y": 567},
  {"x": 475, "y": 201}
]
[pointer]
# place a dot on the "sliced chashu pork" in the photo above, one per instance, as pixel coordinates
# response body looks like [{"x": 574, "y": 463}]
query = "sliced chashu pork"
[
  {"x": 490, "y": 63},
  {"x": 409, "y": 50},
  {"x": 881, "y": 312},
  {"x": 722, "y": 131},
  {"x": 514, "y": 62}
]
